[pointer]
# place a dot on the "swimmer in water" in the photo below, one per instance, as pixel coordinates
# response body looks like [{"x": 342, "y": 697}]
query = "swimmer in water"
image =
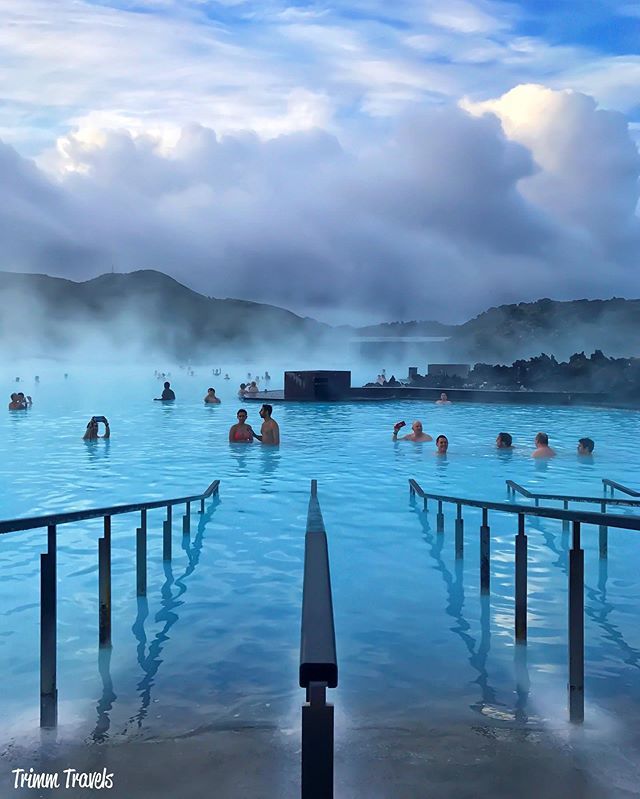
[
  {"x": 91, "y": 433},
  {"x": 417, "y": 435},
  {"x": 27, "y": 402},
  {"x": 211, "y": 398},
  {"x": 167, "y": 394},
  {"x": 241, "y": 390},
  {"x": 585, "y": 447},
  {"x": 270, "y": 431},
  {"x": 15, "y": 404},
  {"x": 252, "y": 389},
  {"x": 504, "y": 441},
  {"x": 444, "y": 400},
  {"x": 442, "y": 445},
  {"x": 241, "y": 432},
  {"x": 543, "y": 450}
]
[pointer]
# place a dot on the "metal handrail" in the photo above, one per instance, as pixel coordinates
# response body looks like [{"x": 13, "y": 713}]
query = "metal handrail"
[
  {"x": 575, "y": 572},
  {"x": 49, "y": 580},
  {"x": 13, "y": 525},
  {"x": 619, "y": 487},
  {"x": 584, "y": 517},
  {"x": 318, "y": 660},
  {"x": 517, "y": 488}
]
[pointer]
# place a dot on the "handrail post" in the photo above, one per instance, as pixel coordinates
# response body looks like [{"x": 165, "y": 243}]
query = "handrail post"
[
  {"x": 202, "y": 505},
  {"x": 485, "y": 553},
  {"x": 440, "y": 518},
  {"x": 186, "y": 520},
  {"x": 317, "y": 744},
  {"x": 104, "y": 585},
  {"x": 459, "y": 533},
  {"x": 521, "y": 581},
  {"x": 48, "y": 632},
  {"x": 565, "y": 522},
  {"x": 166, "y": 535},
  {"x": 141, "y": 555},
  {"x": 603, "y": 534},
  {"x": 576, "y": 628}
]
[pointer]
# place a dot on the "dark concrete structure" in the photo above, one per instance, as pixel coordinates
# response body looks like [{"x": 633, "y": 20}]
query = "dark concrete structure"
[
  {"x": 380, "y": 393},
  {"x": 317, "y": 386}
]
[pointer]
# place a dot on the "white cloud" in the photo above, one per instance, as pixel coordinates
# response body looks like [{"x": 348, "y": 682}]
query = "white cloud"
[
  {"x": 246, "y": 66},
  {"x": 589, "y": 163},
  {"x": 531, "y": 195}
]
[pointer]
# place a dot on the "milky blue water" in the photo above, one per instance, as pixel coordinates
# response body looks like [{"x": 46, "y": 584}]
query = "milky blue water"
[{"x": 216, "y": 640}]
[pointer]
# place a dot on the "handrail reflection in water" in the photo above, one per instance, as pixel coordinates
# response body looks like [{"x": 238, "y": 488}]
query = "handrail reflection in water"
[
  {"x": 49, "y": 579},
  {"x": 575, "y": 571}
]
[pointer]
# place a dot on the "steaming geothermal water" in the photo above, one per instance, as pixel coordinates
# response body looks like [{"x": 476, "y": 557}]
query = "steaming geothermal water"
[{"x": 216, "y": 641}]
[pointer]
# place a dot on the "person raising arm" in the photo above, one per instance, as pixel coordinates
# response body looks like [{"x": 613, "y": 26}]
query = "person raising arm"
[{"x": 417, "y": 433}]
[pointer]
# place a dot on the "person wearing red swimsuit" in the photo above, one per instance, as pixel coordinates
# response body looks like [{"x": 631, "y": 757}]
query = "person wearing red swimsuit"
[{"x": 241, "y": 432}]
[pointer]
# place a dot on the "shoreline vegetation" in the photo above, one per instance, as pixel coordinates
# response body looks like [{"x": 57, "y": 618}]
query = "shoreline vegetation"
[{"x": 597, "y": 374}]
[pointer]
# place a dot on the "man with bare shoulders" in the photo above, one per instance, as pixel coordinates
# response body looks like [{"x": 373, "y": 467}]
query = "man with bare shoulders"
[
  {"x": 269, "y": 432},
  {"x": 417, "y": 433},
  {"x": 543, "y": 450}
]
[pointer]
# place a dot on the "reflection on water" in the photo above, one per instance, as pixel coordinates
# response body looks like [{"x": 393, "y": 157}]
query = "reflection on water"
[
  {"x": 240, "y": 457},
  {"x": 149, "y": 658},
  {"x": 598, "y": 609},
  {"x": 105, "y": 703},
  {"x": 97, "y": 450},
  {"x": 454, "y": 585},
  {"x": 523, "y": 683},
  {"x": 269, "y": 464}
]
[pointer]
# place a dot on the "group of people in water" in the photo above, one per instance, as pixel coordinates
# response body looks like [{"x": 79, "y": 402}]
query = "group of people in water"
[
  {"x": 242, "y": 433},
  {"x": 504, "y": 441},
  {"x": 168, "y": 394}
]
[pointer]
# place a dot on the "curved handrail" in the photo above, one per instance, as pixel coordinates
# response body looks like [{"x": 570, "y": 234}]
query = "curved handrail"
[
  {"x": 585, "y": 517},
  {"x": 318, "y": 660},
  {"x": 13, "y": 525},
  {"x": 525, "y": 492},
  {"x": 619, "y": 487}
]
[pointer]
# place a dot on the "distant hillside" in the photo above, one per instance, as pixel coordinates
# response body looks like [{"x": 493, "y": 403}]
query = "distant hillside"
[
  {"x": 405, "y": 329},
  {"x": 148, "y": 313},
  {"x": 510, "y": 332},
  {"x": 145, "y": 311}
]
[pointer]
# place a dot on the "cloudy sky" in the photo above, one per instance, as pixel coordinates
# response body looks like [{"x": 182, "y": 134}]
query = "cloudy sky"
[{"x": 363, "y": 159}]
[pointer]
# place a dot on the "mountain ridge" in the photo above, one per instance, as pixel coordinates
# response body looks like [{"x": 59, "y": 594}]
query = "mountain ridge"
[{"x": 150, "y": 311}]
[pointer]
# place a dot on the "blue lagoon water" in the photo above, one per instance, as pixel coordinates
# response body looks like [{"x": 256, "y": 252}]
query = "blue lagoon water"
[{"x": 216, "y": 640}]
